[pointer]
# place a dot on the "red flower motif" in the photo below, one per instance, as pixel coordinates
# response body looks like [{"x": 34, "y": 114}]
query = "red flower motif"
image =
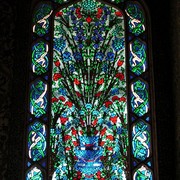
[
  {"x": 95, "y": 132},
  {"x": 118, "y": 13},
  {"x": 101, "y": 81},
  {"x": 102, "y": 157},
  {"x": 98, "y": 16},
  {"x": 113, "y": 119},
  {"x": 63, "y": 120},
  {"x": 74, "y": 132},
  {"x": 110, "y": 137},
  {"x": 54, "y": 100},
  {"x": 57, "y": 76},
  {"x": 58, "y": 14},
  {"x": 81, "y": 132},
  {"x": 98, "y": 94},
  {"x": 108, "y": 103},
  {"x": 78, "y": 94},
  {"x": 99, "y": 173},
  {"x": 76, "y": 81},
  {"x": 68, "y": 148},
  {"x": 68, "y": 103},
  {"x": 94, "y": 122},
  {"x": 78, "y": 13},
  {"x": 102, "y": 143},
  {"x": 75, "y": 143},
  {"x": 62, "y": 98},
  {"x": 120, "y": 76},
  {"x": 122, "y": 99},
  {"x": 100, "y": 10},
  {"x": 79, "y": 16},
  {"x": 88, "y": 19},
  {"x": 82, "y": 122},
  {"x": 120, "y": 63},
  {"x": 75, "y": 158},
  {"x": 57, "y": 63},
  {"x": 67, "y": 137},
  {"x": 78, "y": 10},
  {"x": 99, "y": 13},
  {"x": 110, "y": 148},
  {"x": 114, "y": 98},
  {"x": 103, "y": 131},
  {"x": 78, "y": 173}
]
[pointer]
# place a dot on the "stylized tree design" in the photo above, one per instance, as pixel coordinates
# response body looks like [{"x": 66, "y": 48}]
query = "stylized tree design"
[{"x": 89, "y": 76}]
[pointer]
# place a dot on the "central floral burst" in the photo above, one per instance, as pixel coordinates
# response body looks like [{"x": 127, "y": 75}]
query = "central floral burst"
[{"x": 89, "y": 93}]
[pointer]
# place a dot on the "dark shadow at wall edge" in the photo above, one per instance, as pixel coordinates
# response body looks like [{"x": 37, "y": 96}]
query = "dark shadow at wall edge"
[
  {"x": 163, "y": 61},
  {"x": 19, "y": 88}
]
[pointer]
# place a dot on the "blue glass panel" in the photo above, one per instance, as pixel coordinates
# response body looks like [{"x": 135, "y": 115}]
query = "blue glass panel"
[
  {"x": 138, "y": 60},
  {"x": 143, "y": 173},
  {"x": 38, "y": 98},
  {"x": 141, "y": 140},
  {"x": 41, "y": 19},
  {"x": 40, "y": 59},
  {"x": 34, "y": 174},
  {"x": 36, "y": 141},
  {"x": 139, "y": 98},
  {"x": 89, "y": 154},
  {"x": 136, "y": 19},
  {"x": 149, "y": 163}
]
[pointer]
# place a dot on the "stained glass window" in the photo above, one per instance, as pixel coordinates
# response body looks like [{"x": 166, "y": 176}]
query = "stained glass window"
[{"x": 90, "y": 109}]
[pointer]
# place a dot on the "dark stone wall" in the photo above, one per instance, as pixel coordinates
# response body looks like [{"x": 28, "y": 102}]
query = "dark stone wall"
[
  {"x": 15, "y": 21},
  {"x": 7, "y": 56},
  {"x": 166, "y": 77},
  {"x": 175, "y": 39}
]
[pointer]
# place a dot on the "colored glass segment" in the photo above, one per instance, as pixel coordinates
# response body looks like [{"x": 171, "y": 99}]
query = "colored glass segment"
[
  {"x": 141, "y": 140},
  {"x": 38, "y": 98},
  {"x": 138, "y": 57},
  {"x": 40, "y": 57},
  {"x": 41, "y": 19},
  {"x": 139, "y": 98},
  {"x": 37, "y": 141},
  {"x": 86, "y": 122},
  {"x": 136, "y": 20},
  {"x": 88, "y": 1},
  {"x": 34, "y": 174},
  {"x": 89, "y": 137},
  {"x": 143, "y": 173}
]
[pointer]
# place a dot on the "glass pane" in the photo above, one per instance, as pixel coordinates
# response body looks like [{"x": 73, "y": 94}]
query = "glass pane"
[
  {"x": 38, "y": 98},
  {"x": 89, "y": 136},
  {"x": 34, "y": 174},
  {"x": 138, "y": 59},
  {"x": 141, "y": 140},
  {"x": 40, "y": 57},
  {"x": 136, "y": 20},
  {"x": 139, "y": 98},
  {"x": 41, "y": 19},
  {"x": 143, "y": 173},
  {"x": 37, "y": 141}
]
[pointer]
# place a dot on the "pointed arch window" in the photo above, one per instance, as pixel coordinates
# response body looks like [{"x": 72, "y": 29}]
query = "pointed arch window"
[{"x": 90, "y": 108}]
